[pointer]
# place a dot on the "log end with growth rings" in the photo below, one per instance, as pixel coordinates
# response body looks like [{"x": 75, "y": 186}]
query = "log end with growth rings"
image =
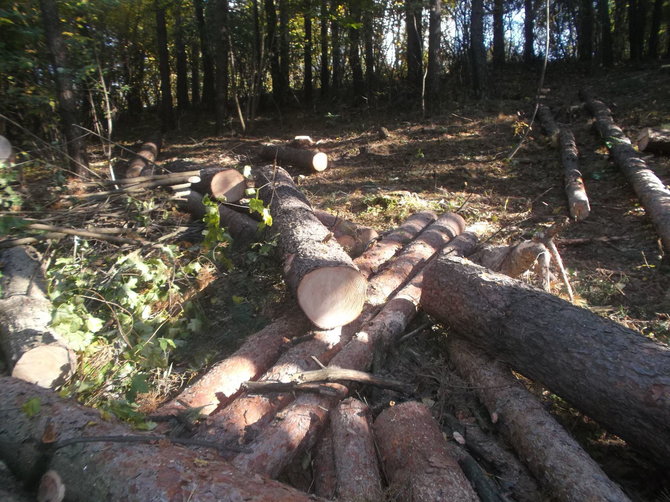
[
  {"x": 332, "y": 296},
  {"x": 320, "y": 162}
]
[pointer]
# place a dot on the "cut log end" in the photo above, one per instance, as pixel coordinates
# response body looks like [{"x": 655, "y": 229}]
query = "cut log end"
[
  {"x": 332, "y": 296},
  {"x": 45, "y": 365},
  {"x": 320, "y": 162},
  {"x": 228, "y": 185}
]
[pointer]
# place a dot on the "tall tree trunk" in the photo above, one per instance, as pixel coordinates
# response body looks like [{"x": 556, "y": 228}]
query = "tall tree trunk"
[
  {"x": 207, "y": 59},
  {"x": 619, "y": 31},
  {"x": 182, "y": 62},
  {"x": 635, "y": 37},
  {"x": 434, "y": 39},
  {"x": 166, "y": 110},
  {"x": 135, "y": 80},
  {"x": 284, "y": 54},
  {"x": 606, "y": 41},
  {"x": 195, "y": 74},
  {"x": 477, "y": 50},
  {"x": 273, "y": 50},
  {"x": 528, "y": 31},
  {"x": 325, "y": 77},
  {"x": 222, "y": 48},
  {"x": 655, "y": 28},
  {"x": 413, "y": 13},
  {"x": 336, "y": 44},
  {"x": 368, "y": 40},
  {"x": 585, "y": 30},
  {"x": 67, "y": 103},
  {"x": 498, "y": 33},
  {"x": 354, "y": 48},
  {"x": 307, "y": 86}
]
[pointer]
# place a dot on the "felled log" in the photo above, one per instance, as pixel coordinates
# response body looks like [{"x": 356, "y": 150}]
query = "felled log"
[
  {"x": 33, "y": 351},
  {"x": 324, "y": 470},
  {"x": 48, "y": 437},
  {"x": 611, "y": 373},
  {"x": 652, "y": 192},
  {"x": 578, "y": 201},
  {"x": 549, "y": 125},
  {"x": 5, "y": 150},
  {"x": 356, "y": 466},
  {"x": 221, "y": 183},
  {"x": 143, "y": 161},
  {"x": 302, "y": 142},
  {"x": 415, "y": 457},
  {"x": 512, "y": 260},
  {"x": 654, "y": 141},
  {"x": 328, "y": 286},
  {"x": 10, "y": 488},
  {"x": 354, "y": 238},
  {"x": 563, "y": 468},
  {"x": 303, "y": 159}
]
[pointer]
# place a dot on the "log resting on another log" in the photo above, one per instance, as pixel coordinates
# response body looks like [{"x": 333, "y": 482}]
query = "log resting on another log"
[
  {"x": 328, "y": 286},
  {"x": 304, "y": 159},
  {"x": 222, "y": 183},
  {"x": 563, "y": 468},
  {"x": 654, "y": 141},
  {"x": 611, "y": 373},
  {"x": 652, "y": 192},
  {"x": 354, "y": 238},
  {"x": 143, "y": 161},
  {"x": 33, "y": 351},
  {"x": 104, "y": 470},
  {"x": 416, "y": 458}
]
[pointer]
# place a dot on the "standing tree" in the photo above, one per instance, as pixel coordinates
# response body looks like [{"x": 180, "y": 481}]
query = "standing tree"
[
  {"x": 477, "y": 50},
  {"x": 635, "y": 29},
  {"x": 336, "y": 45},
  {"x": 273, "y": 50},
  {"x": 207, "y": 60},
  {"x": 354, "y": 48},
  {"x": 606, "y": 42},
  {"x": 182, "y": 62},
  {"x": 498, "y": 33},
  {"x": 528, "y": 31},
  {"x": 195, "y": 73},
  {"x": 619, "y": 32},
  {"x": 307, "y": 86},
  {"x": 434, "y": 40},
  {"x": 67, "y": 103},
  {"x": 368, "y": 37},
  {"x": 222, "y": 48},
  {"x": 324, "y": 76},
  {"x": 655, "y": 28},
  {"x": 166, "y": 111},
  {"x": 413, "y": 13},
  {"x": 585, "y": 30},
  {"x": 284, "y": 52}
]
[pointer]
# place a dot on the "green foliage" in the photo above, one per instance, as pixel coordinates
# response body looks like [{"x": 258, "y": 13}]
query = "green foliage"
[
  {"x": 216, "y": 239},
  {"x": 32, "y": 407},
  {"x": 11, "y": 199}
]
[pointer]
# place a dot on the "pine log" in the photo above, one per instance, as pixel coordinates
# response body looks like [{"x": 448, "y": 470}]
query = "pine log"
[
  {"x": 324, "y": 470},
  {"x": 357, "y": 469},
  {"x": 143, "y": 161},
  {"x": 296, "y": 428},
  {"x": 578, "y": 201},
  {"x": 33, "y": 351},
  {"x": 10, "y": 488},
  {"x": 512, "y": 260},
  {"x": 221, "y": 183},
  {"x": 563, "y": 468},
  {"x": 354, "y": 238},
  {"x": 549, "y": 124},
  {"x": 328, "y": 286},
  {"x": 611, "y": 373},
  {"x": 303, "y": 159},
  {"x": 115, "y": 470},
  {"x": 654, "y": 141},
  {"x": 652, "y": 192},
  {"x": 415, "y": 456}
]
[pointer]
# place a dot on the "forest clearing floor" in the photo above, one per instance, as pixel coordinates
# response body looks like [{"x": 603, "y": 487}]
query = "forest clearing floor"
[{"x": 457, "y": 159}]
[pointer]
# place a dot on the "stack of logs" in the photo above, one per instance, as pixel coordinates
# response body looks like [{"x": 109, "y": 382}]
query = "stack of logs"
[{"x": 291, "y": 391}]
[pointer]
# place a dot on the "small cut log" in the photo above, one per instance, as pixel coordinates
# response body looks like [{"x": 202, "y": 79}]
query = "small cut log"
[
  {"x": 652, "y": 192},
  {"x": 33, "y": 351},
  {"x": 303, "y": 159},
  {"x": 328, "y": 286},
  {"x": 563, "y": 468},
  {"x": 654, "y": 141},
  {"x": 549, "y": 125},
  {"x": 109, "y": 468},
  {"x": 354, "y": 238},
  {"x": 222, "y": 183},
  {"x": 611, "y": 373},
  {"x": 415, "y": 456},
  {"x": 142, "y": 163}
]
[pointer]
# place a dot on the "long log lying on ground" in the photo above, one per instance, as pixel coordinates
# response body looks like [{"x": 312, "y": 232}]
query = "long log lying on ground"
[
  {"x": 549, "y": 125},
  {"x": 611, "y": 373},
  {"x": 33, "y": 351},
  {"x": 304, "y": 159},
  {"x": 654, "y": 141},
  {"x": 324, "y": 470},
  {"x": 142, "y": 163},
  {"x": 49, "y": 437},
  {"x": 221, "y": 183},
  {"x": 296, "y": 428},
  {"x": 552, "y": 455},
  {"x": 221, "y": 384},
  {"x": 415, "y": 456},
  {"x": 328, "y": 286},
  {"x": 354, "y": 238},
  {"x": 652, "y": 192}
]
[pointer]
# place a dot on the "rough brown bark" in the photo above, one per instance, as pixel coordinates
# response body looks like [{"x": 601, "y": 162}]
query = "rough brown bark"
[
  {"x": 553, "y": 456},
  {"x": 328, "y": 286},
  {"x": 324, "y": 470},
  {"x": 654, "y": 141},
  {"x": 143, "y": 162},
  {"x": 116, "y": 470},
  {"x": 415, "y": 457},
  {"x": 303, "y": 159},
  {"x": 222, "y": 183},
  {"x": 549, "y": 125},
  {"x": 511, "y": 260},
  {"x": 652, "y": 192},
  {"x": 578, "y": 201},
  {"x": 354, "y": 238},
  {"x": 358, "y": 476},
  {"x": 33, "y": 351},
  {"x": 612, "y": 374}
]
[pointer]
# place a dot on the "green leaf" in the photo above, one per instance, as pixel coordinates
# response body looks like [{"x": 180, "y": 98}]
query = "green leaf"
[{"x": 32, "y": 407}]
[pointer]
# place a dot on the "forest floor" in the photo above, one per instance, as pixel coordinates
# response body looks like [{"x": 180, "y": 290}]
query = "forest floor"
[{"x": 458, "y": 159}]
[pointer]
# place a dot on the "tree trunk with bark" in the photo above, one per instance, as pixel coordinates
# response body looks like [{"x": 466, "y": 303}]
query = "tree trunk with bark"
[
  {"x": 498, "y": 33},
  {"x": 652, "y": 192},
  {"x": 477, "y": 50},
  {"x": 612, "y": 374},
  {"x": 33, "y": 351},
  {"x": 336, "y": 44},
  {"x": 273, "y": 50},
  {"x": 585, "y": 30},
  {"x": 414, "y": 30},
  {"x": 195, "y": 73},
  {"x": 416, "y": 458},
  {"x": 307, "y": 60},
  {"x": 353, "y": 238},
  {"x": 655, "y": 29},
  {"x": 142, "y": 164},
  {"x": 325, "y": 72},
  {"x": 324, "y": 470},
  {"x": 207, "y": 60},
  {"x": 606, "y": 39},
  {"x": 328, "y": 286},
  {"x": 355, "y": 50},
  {"x": 563, "y": 468},
  {"x": 222, "y": 56},
  {"x": 166, "y": 110},
  {"x": 303, "y": 159},
  {"x": 182, "y": 61},
  {"x": 434, "y": 41},
  {"x": 528, "y": 31},
  {"x": 221, "y": 183},
  {"x": 67, "y": 102},
  {"x": 111, "y": 468},
  {"x": 654, "y": 141}
]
